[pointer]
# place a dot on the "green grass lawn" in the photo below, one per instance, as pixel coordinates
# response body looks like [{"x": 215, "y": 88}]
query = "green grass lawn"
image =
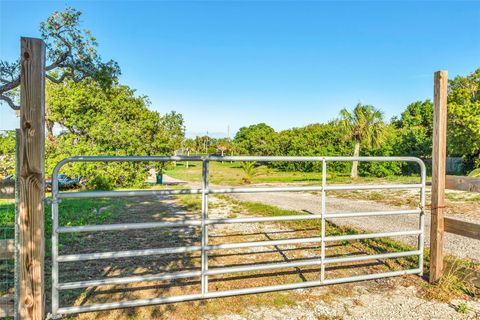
[{"x": 232, "y": 174}]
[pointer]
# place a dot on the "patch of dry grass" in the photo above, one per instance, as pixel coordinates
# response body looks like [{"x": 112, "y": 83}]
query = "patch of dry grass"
[{"x": 461, "y": 279}]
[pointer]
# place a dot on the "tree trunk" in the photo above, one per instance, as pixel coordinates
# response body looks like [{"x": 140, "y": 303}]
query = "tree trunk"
[
  {"x": 356, "y": 153},
  {"x": 50, "y": 135},
  {"x": 188, "y": 154}
]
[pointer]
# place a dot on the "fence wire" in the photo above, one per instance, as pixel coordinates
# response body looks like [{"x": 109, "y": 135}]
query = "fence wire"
[
  {"x": 7, "y": 269},
  {"x": 8, "y": 234}
]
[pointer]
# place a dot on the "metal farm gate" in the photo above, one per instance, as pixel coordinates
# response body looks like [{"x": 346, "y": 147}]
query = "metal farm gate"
[{"x": 204, "y": 272}]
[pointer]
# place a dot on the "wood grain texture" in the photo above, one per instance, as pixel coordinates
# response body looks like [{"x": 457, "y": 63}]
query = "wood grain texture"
[
  {"x": 462, "y": 228},
  {"x": 462, "y": 183},
  {"x": 31, "y": 167},
  {"x": 7, "y": 249},
  {"x": 438, "y": 174}
]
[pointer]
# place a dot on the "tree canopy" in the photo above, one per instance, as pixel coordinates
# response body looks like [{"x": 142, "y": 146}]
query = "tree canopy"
[
  {"x": 71, "y": 54},
  {"x": 257, "y": 139},
  {"x": 109, "y": 121},
  {"x": 464, "y": 115},
  {"x": 415, "y": 130}
]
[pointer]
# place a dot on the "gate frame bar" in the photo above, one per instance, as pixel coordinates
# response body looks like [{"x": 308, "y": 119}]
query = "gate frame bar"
[{"x": 205, "y": 222}]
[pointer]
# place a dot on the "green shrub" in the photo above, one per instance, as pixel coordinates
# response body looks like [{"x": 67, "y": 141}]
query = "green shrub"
[
  {"x": 475, "y": 173},
  {"x": 100, "y": 182}
]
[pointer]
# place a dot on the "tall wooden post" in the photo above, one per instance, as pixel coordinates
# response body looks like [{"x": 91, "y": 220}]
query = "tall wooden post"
[
  {"x": 438, "y": 174},
  {"x": 31, "y": 215}
]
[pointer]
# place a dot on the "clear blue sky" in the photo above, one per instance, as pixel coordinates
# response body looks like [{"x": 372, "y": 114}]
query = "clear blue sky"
[{"x": 284, "y": 63}]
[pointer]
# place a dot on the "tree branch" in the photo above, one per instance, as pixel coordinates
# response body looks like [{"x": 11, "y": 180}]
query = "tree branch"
[
  {"x": 57, "y": 80},
  {"x": 9, "y": 86},
  {"x": 63, "y": 57},
  {"x": 10, "y": 102}
]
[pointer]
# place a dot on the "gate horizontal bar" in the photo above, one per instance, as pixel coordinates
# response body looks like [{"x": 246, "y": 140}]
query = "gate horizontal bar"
[
  {"x": 373, "y": 186},
  {"x": 263, "y": 189},
  {"x": 139, "y": 193},
  {"x": 370, "y": 214},
  {"x": 126, "y": 254},
  {"x": 124, "y": 280},
  {"x": 229, "y": 158},
  {"x": 126, "y": 193},
  {"x": 186, "y": 223},
  {"x": 239, "y": 245},
  {"x": 228, "y": 293},
  {"x": 130, "y": 226},
  {"x": 372, "y": 235},
  {"x": 136, "y": 193},
  {"x": 282, "y": 265}
]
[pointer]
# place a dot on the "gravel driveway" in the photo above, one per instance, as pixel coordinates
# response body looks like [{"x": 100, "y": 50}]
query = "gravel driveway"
[
  {"x": 456, "y": 245},
  {"x": 302, "y": 201},
  {"x": 362, "y": 304}
]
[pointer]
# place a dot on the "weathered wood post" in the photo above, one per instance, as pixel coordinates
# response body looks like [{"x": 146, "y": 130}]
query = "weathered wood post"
[
  {"x": 32, "y": 144},
  {"x": 438, "y": 174}
]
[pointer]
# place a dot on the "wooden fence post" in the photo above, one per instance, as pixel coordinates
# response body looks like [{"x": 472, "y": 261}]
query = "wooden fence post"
[
  {"x": 438, "y": 174},
  {"x": 31, "y": 302}
]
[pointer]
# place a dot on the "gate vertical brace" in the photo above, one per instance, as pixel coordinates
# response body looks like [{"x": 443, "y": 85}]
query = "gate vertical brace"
[
  {"x": 32, "y": 179},
  {"x": 421, "y": 236},
  {"x": 204, "y": 258},
  {"x": 55, "y": 201},
  {"x": 438, "y": 174},
  {"x": 324, "y": 209}
]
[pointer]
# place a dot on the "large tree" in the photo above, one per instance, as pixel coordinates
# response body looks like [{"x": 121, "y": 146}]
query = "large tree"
[
  {"x": 319, "y": 139},
  {"x": 258, "y": 139},
  {"x": 415, "y": 130},
  {"x": 114, "y": 121},
  {"x": 364, "y": 125},
  {"x": 71, "y": 54}
]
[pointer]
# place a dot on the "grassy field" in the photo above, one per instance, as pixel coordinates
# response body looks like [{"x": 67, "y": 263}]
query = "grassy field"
[{"x": 232, "y": 174}]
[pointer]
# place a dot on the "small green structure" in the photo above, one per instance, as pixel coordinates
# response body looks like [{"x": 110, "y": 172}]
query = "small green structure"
[{"x": 159, "y": 178}]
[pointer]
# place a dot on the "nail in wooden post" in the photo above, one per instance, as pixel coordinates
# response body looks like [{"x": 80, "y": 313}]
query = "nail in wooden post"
[
  {"x": 31, "y": 215},
  {"x": 438, "y": 174}
]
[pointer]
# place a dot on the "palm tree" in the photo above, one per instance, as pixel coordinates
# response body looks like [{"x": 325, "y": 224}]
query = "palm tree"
[
  {"x": 364, "y": 126},
  {"x": 249, "y": 171}
]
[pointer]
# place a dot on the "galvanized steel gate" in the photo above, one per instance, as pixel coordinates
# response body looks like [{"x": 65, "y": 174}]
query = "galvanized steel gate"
[{"x": 205, "y": 221}]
